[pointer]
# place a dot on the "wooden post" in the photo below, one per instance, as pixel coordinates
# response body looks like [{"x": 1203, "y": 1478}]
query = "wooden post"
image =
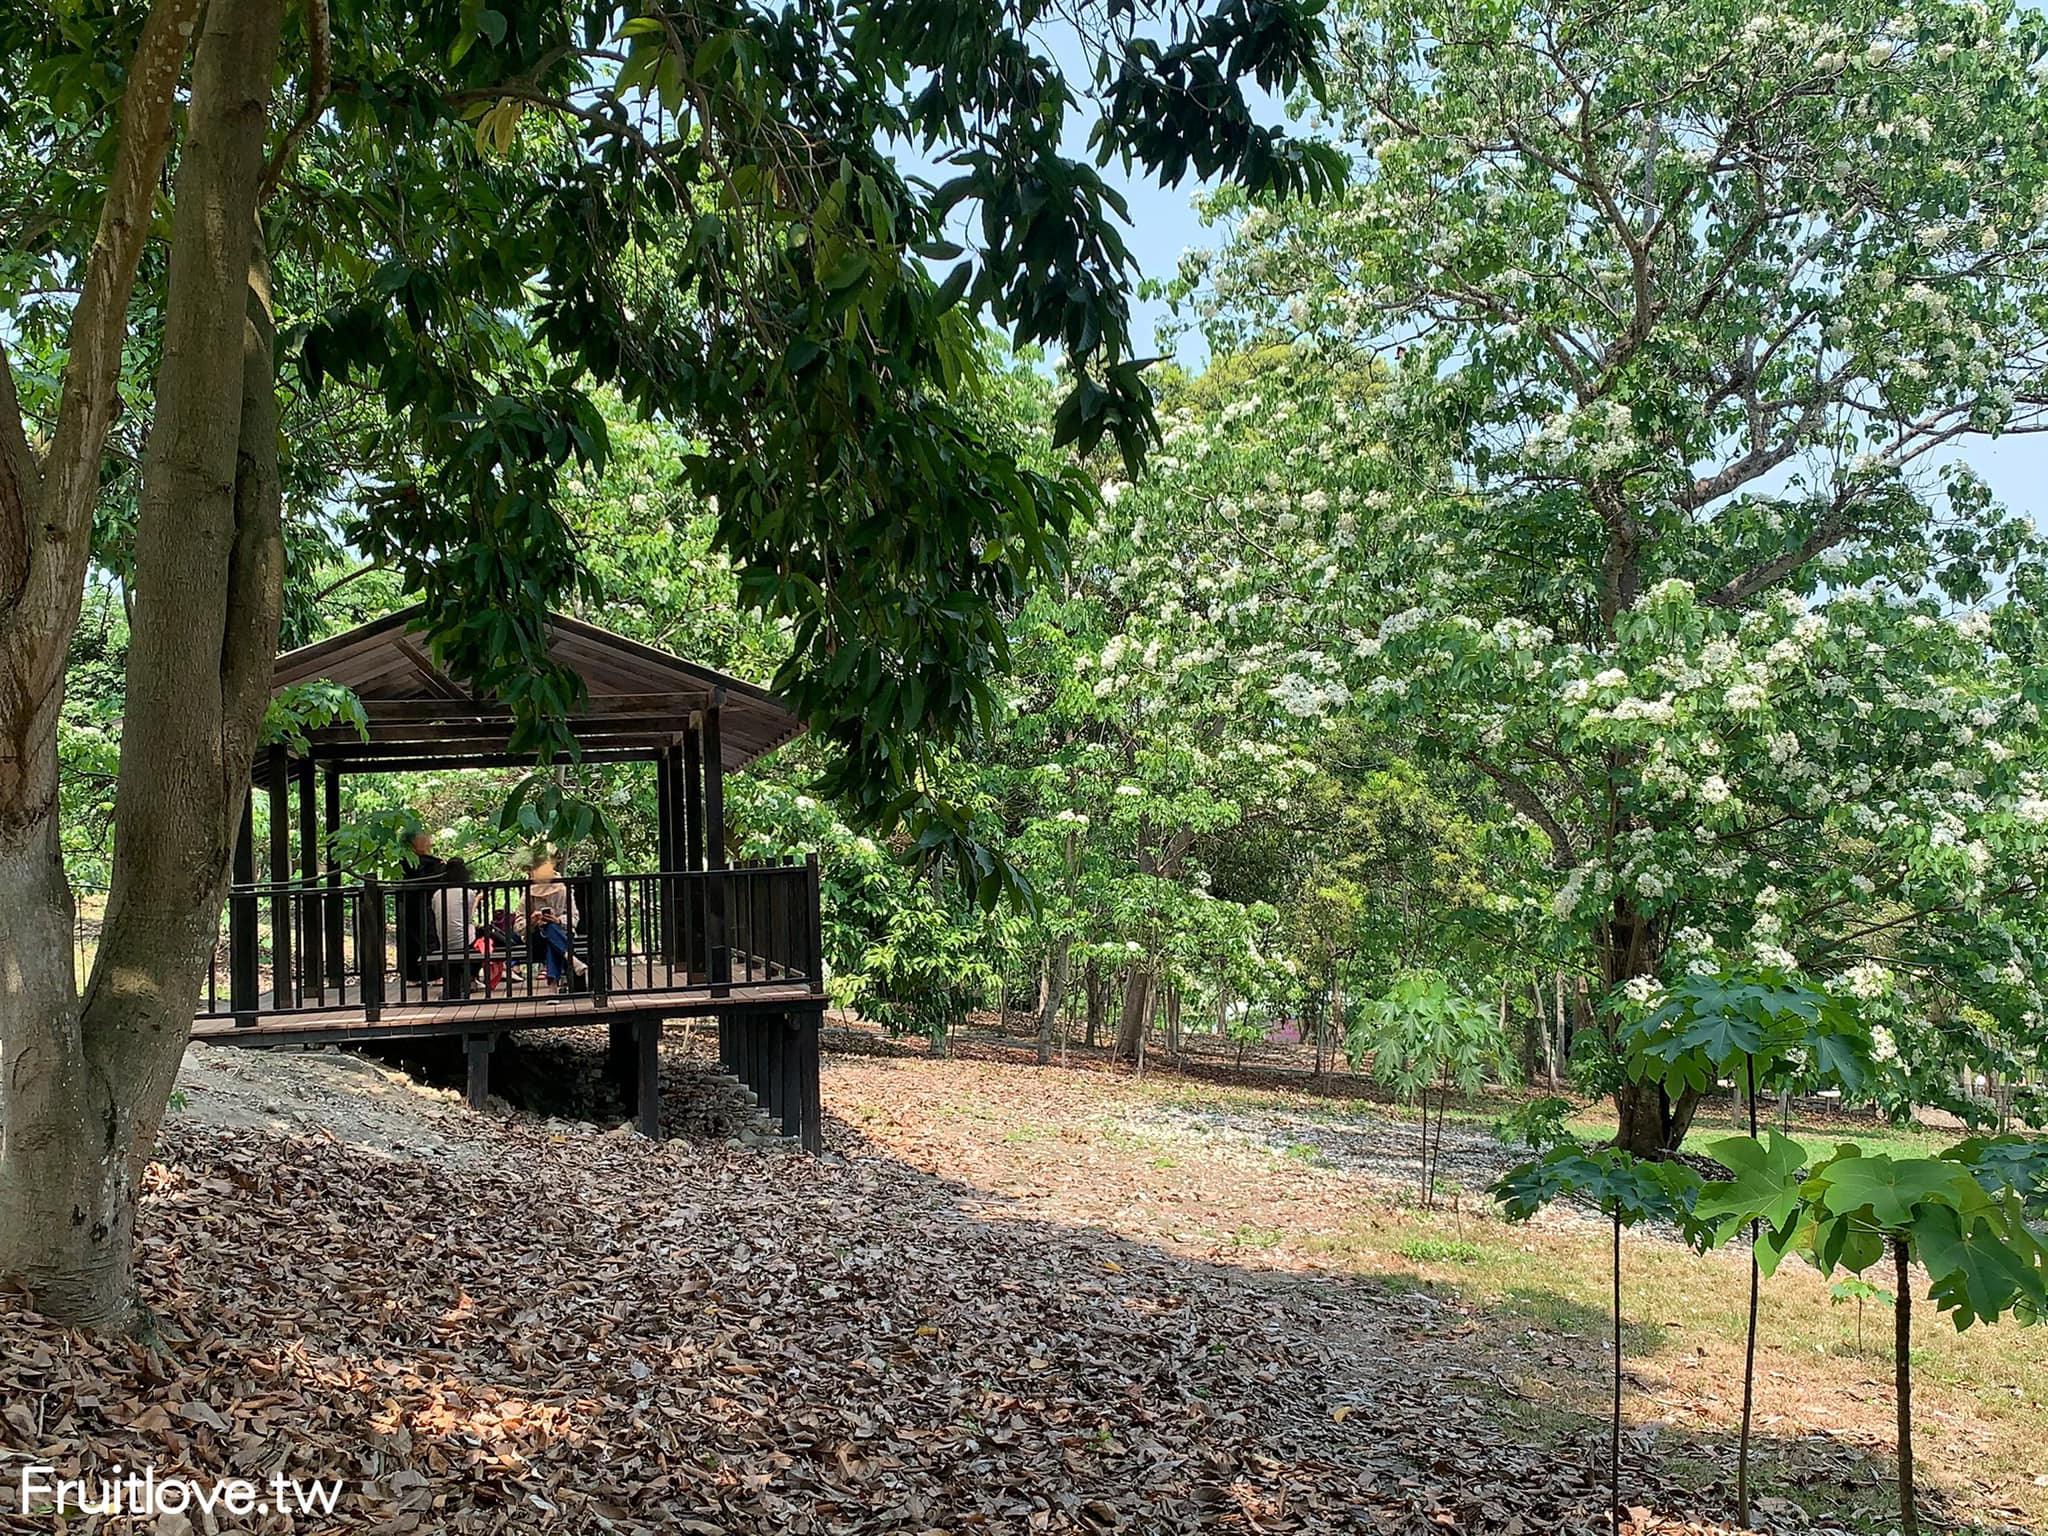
[
  {"x": 771, "y": 1065},
  {"x": 597, "y": 915},
  {"x": 664, "y": 847},
  {"x": 242, "y": 958},
  {"x": 337, "y": 919},
  {"x": 282, "y": 993},
  {"x": 478, "y": 1049},
  {"x": 370, "y": 938},
  {"x": 716, "y": 937},
  {"x": 814, "y": 928},
  {"x": 812, "y": 1112},
  {"x": 693, "y": 799},
  {"x": 312, "y": 907},
  {"x": 649, "y": 1041}
]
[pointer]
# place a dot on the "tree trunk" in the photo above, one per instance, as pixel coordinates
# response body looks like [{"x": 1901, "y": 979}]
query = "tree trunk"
[
  {"x": 1141, "y": 989},
  {"x": 1564, "y": 1023},
  {"x": 88, "y": 1078},
  {"x": 1091, "y": 980},
  {"x": 1055, "y": 998},
  {"x": 1542, "y": 1021},
  {"x": 1173, "y": 1023},
  {"x": 1650, "y": 1123}
]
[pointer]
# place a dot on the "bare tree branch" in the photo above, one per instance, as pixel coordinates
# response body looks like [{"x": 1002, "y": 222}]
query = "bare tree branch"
[
  {"x": 99, "y": 326},
  {"x": 319, "y": 84}
]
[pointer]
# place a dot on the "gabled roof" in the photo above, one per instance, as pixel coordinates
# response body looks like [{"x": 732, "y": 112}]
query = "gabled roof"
[{"x": 640, "y": 700}]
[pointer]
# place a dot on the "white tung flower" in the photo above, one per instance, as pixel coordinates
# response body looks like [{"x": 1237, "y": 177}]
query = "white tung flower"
[{"x": 1646, "y": 990}]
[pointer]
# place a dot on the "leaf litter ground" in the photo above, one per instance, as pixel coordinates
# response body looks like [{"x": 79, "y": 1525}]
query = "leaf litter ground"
[{"x": 996, "y": 1306}]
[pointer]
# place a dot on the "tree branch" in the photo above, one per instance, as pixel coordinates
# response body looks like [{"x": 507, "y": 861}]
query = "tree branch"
[
  {"x": 21, "y": 483},
  {"x": 319, "y": 84},
  {"x": 1832, "y": 531},
  {"x": 99, "y": 326},
  {"x": 1524, "y": 799}
]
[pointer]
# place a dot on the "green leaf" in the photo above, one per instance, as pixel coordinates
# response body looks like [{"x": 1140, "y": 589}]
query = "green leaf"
[
  {"x": 1890, "y": 1188},
  {"x": 1980, "y": 1268}
]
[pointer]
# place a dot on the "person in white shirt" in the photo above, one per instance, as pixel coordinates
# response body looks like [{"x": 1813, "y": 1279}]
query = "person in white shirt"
[{"x": 454, "y": 909}]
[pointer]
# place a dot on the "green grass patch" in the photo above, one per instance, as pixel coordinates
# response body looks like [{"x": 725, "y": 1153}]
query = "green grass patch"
[{"x": 1440, "y": 1250}]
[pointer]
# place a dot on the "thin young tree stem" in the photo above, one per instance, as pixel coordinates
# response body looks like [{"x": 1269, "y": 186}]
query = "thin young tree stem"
[
  {"x": 1749, "y": 1345},
  {"x": 1902, "y": 1377},
  {"x": 1614, "y": 1425}
]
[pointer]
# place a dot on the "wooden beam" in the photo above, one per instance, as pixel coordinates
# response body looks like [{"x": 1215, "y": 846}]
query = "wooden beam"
[
  {"x": 595, "y": 706},
  {"x": 421, "y": 762},
  {"x": 423, "y": 664}
]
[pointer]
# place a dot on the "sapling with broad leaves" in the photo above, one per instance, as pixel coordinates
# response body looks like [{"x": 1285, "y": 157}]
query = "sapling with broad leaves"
[
  {"x": 1765, "y": 1027},
  {"x": 1972, "y": 1218},
  {"x": 1628, "y": 1191},
  {"x": 1429, "y": 1039}
]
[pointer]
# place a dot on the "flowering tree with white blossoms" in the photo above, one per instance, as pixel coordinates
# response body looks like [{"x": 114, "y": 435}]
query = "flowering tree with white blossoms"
[
  {"x": 1145, "y": 719},
  {"x": 1686, "y": 312}
]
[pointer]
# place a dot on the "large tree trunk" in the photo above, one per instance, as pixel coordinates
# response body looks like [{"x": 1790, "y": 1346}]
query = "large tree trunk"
[
  {"x": 88, "y": 1078},
  {"x": 1649, "y": 1122},
  {"x": 1054, "y": 1000},
  {"x": 1141, "y": 986}
]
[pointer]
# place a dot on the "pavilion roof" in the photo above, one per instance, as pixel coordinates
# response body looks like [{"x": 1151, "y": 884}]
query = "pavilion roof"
[{"x": 640, "y": 700}]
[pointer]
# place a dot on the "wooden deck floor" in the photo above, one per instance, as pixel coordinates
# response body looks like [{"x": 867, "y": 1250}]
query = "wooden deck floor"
[{"x": 341, "y": 1018}]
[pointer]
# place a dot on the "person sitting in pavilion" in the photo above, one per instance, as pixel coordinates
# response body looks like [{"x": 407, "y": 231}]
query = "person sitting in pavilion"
[
  {"x": 453, "y": 908},
  {"x": 417, "y": 939},
  {"x": 550, "y": 918}
]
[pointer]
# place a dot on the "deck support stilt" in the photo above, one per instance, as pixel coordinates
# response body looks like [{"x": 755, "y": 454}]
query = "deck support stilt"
[
  {"x": 810, "y": 1026},
  {"x": 649, "y": 1042},
  {"x": 789, "y": 1078},
  {"x": 478, "y": 1049},
  {"x": 622, "y": 1055}
]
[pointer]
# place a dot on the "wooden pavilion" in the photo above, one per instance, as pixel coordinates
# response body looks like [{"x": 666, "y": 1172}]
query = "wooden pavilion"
[{"x": 314, "y": 954}]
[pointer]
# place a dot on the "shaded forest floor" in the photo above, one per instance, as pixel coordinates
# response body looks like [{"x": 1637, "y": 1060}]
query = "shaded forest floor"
[{"x": 1010, "y": 1300}]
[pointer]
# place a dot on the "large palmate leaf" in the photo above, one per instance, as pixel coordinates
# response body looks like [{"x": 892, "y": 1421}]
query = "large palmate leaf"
[
  {"x": 1981, "y": 1265},
  {"x": 1890, "y": 1188},
  {"x": 1624, "y": 1187},
  {"x": 1766, "y": 1183}
]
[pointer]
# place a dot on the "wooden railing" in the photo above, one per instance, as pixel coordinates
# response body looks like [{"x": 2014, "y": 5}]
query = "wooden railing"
[{"x": 310, "y": 946}]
